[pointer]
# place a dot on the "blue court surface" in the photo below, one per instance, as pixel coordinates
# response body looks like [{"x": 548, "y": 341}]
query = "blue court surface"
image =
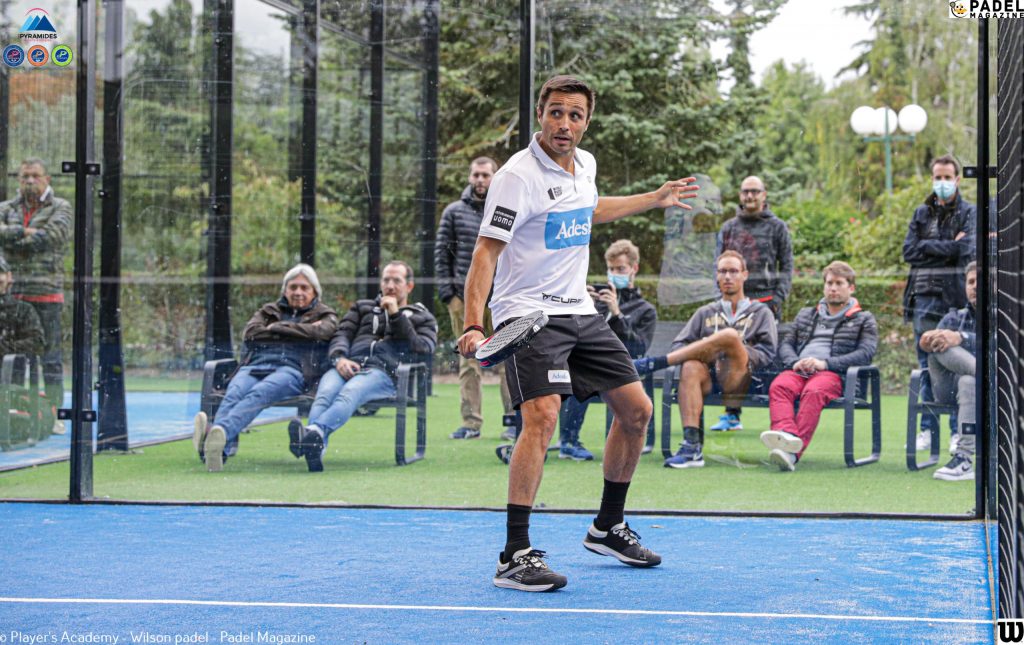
[
  {"x": 210, "y": 574},
  {"x": 153, "y": 417}
]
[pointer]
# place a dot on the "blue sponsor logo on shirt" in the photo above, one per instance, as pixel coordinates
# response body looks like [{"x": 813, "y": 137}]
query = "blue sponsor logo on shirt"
[{"x": 571, "y": 228}]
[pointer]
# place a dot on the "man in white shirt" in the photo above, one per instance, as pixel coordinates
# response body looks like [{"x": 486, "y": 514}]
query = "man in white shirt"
[{"x": 534, "y": 247}]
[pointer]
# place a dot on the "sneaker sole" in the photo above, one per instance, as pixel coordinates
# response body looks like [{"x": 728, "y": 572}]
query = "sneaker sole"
[
  {"x": 506, "y": 583},
  {"x": 213, "y": 449},
  {"x": 295, "y": 437},
  {"x": 314, "y": 454},
  {"x": 601, "y": 549},
  {"x": 574, "y": 457},
  {"x": 690, "y": 464},
  {"x": 199, "y": 432},
  {"x": 954, "y": 478},
  {"x": 781, "y": 461},
  {"x": 773, "y": 441}
]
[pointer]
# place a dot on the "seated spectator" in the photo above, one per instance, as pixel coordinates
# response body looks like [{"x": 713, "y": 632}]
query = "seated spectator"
[
  {"x": 21, "y": 332},
  {"x": 734, "y": 337},
  {"x": 282, "y": 342},
  {"x": 374, "y": 336},
  {"x": 815, "y": 351},
  {"x": 631, "y": 318},
  {"x": 951, "y": 350}
]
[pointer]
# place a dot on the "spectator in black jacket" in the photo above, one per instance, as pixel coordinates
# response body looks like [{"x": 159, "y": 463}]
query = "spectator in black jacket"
[
  {"x": 763, "y": 241},
  {"x": 952, "y": 349},
  {"x": 453, "y": 253},
  {"x": 628, "y": 315},
  {"x": 816, "y": 351},
  {"x": 938, "y": 246},
  {"x": 374, "y": 336},
  {"x": 283, "y": 341}
]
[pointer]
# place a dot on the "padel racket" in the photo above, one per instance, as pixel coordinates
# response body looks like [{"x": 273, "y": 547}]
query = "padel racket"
[{"x": 510, "y": 338}]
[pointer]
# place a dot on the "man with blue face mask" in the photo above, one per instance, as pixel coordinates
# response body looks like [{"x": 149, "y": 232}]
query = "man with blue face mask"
[
  {"x": 938, "y": 246},
  {"x": 628, "y": 315}
]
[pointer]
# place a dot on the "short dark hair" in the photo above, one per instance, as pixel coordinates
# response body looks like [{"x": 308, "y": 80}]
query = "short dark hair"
[
  {"x": 840, "y": 269},
  {"x": 479, "y": 161},
  {"x": 569, "y": 85},
  {"x": 945, "y": 160},
  {"x": 399, "y": 263}
]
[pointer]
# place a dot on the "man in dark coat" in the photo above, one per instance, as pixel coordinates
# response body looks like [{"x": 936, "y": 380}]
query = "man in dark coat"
[
  {"x": 283, "y": 341},
  {"x": 938, "y": 246},
  {"x": 816, "y": 351},
  {"x": 453, "y": 253},
  {"x": 763, "y": 241}
]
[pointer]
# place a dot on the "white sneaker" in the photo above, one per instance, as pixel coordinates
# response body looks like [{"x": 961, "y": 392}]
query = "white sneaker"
[
  {"x": 954, "y": 441},
  {"x": 58, "y": 427},
  {"x": 779, "y": 439},
  {"x": 199, "y": 432},
  {"x": 213, "y": 449},
  {"x": 786, "y": 461},
  {"x": 924, "y": 440},
  {"x": 958, "y": 469}
]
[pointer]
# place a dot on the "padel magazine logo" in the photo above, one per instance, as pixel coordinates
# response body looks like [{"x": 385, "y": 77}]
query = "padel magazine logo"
[{"x": 986, "y": 8}]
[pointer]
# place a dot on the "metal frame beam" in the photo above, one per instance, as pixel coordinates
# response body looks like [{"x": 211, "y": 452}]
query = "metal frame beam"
[
  {"x": 429, "y": 106},
  {"x": 527, "y": 64},
  {"x": 376, "y": 178}
]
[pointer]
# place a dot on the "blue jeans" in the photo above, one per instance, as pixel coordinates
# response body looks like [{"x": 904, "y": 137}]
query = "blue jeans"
[
  {"x": 248, "y": 395},
  {"x": 338, "y": 399}
]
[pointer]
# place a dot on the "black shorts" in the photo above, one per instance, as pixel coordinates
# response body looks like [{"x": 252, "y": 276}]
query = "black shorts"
[{"x": 572, "y": 355}]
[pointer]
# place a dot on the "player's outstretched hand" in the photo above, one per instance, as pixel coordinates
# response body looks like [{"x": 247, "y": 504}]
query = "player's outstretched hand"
[
  {"x": 468, "y": 343},
  {"x": 673, "y": 192}
]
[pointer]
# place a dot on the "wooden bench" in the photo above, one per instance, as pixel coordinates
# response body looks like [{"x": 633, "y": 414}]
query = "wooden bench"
[
  {"x": 19, "y": 378},
  {"x": 917, "y": 408},
  {"x": 411, "y": 386},
  {"x": 861, "y": 392}
]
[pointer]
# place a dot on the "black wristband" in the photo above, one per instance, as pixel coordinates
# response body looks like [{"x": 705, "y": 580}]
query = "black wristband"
[{"x": 470, "y": 328}]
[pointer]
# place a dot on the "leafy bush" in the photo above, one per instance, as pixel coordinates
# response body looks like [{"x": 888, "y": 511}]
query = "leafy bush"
[{"x": 817, "y": 227}]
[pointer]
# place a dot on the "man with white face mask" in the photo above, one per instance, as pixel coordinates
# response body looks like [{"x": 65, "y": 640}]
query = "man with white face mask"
[{"x": 938, "y": 247}]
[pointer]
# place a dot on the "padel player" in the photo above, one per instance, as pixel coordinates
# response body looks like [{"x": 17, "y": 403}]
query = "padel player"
[{"x": 534, "y": 246}]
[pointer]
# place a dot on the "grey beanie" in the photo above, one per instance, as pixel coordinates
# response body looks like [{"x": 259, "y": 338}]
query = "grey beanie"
[{"x": 305, "y": 270}]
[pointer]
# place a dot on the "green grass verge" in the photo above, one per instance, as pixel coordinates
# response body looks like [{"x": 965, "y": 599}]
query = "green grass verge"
[{"x": 360, "y": 469}]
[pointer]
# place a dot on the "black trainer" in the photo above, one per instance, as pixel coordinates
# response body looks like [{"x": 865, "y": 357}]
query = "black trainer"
[
  {"x": 313, "y": 449},
  {"x": 295, "y": 432},
  {"x": 527, "y": 572},
  {"x": 623, "y": 543}
]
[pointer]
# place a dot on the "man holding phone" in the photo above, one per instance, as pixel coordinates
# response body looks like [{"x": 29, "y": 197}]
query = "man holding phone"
[{"x": 629, "y": 316}]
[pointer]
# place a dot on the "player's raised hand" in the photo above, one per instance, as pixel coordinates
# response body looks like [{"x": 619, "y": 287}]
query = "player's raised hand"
[{"x": 673, "y": 192}]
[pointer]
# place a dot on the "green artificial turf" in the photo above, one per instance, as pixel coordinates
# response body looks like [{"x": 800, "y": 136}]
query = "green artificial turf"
[{"x": 360, "y": 469}]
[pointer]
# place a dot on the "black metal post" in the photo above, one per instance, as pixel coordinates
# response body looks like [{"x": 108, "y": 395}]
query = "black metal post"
[
  {"x": 5, "y": 99},
  {"x": 376, "y": 178},
  {"x": 112, "y": 431},
  {"x": 526, "y": 67},
  {"x": 81, "y": 412},
  {"x": 304, "y": 61},
  {"x": 218, "y": 253},
  {"x": 984, "y": 387},
  {"x": 428, "y": 188}
]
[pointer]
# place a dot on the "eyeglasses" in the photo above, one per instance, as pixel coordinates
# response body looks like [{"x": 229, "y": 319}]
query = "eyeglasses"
[{"x": 751, "y": 191}]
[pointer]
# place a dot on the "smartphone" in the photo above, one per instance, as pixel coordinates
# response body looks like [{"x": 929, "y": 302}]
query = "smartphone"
[{"x": 600, "y": 286}]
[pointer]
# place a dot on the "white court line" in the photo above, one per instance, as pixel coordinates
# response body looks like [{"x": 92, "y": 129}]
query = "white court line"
[{"x": 518, "y": 610}]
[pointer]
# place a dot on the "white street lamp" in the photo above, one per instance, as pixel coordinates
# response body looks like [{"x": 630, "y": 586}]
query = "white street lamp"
[{"x": 879, "y": 124}]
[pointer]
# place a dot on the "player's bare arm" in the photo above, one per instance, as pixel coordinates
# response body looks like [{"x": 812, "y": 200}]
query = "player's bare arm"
[
  {"x": 478, "y": 285},
  {"x": 670, "y": 194}
]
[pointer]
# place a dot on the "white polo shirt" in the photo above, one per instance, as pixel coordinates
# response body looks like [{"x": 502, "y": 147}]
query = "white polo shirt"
[{"x": 544, "y": 214}]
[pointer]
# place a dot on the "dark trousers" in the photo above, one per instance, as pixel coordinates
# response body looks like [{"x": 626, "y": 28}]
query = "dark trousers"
[{"x": 53, "y": 358}]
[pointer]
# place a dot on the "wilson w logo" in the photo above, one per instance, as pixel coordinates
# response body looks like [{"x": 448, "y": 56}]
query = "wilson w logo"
[{"x": 1011, "y": 631}]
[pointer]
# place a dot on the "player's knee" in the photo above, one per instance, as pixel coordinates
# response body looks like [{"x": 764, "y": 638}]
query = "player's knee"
[
  {"x": 636, "y": 419},
  {"x": 694, "y": 370},
  {"x": 729, "y": 335}
]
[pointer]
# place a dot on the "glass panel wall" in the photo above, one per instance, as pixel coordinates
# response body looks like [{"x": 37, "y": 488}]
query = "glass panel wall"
[{"x": 328, "y": 130}]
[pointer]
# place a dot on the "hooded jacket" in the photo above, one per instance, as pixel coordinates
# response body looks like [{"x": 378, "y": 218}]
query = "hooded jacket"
[
  {"x": 371, "y": 337},
  {"x": 764, "y": 242},
  {"x": 937, "y": 260},
  {"x": 635, "y": 324},
  {"x": 453, "y": 248},
  {"x": 37, "y": 260},
  {"x": 755, "y": 324},
  {"x": 278, "y": 335},
  {"x": 854, "y": 341}
]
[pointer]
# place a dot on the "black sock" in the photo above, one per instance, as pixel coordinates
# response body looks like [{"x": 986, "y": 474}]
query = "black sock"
[
  {"x": 736, "y": 411},
  {"x": 693, "y": 435},
  {"x": 517, "y": 530},
  {"x": 613, "y": 505}
]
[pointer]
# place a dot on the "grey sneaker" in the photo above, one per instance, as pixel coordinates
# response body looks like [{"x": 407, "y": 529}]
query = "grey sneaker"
[
  {"x": 527, "y": 571},
  {"x": 213, "y": 449},
  {"x": 199, "y": 425},
  {"x": 464, "y": 433},
  {"x": 958, "y": 469},
  {"x": 786, "y": 461}
]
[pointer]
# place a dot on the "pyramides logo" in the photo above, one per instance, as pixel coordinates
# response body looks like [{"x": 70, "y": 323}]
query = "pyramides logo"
[{"x": 38, "y": 26}]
